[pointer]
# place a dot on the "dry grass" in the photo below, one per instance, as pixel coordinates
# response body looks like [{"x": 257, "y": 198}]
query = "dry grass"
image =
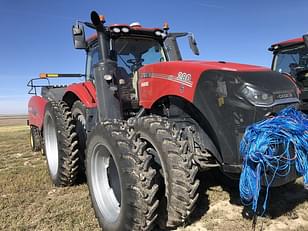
[{"x": 28, "y": 201}]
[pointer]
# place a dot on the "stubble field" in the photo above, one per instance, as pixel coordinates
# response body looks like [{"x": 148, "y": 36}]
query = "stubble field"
[{"x": 28, "y": 200}]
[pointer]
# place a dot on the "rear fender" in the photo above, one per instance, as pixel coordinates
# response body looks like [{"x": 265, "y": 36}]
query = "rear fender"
[
  {"x": 85, "y": 92},
  {"x": 167, "y": 79},
  {"x": 153, "y": 89},
  {"x": 36, "y": 111}
]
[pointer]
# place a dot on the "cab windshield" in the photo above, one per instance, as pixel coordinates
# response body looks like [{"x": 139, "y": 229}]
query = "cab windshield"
[
  {"x": 291, "y": 60},
  {"x": 132, "y": 53}
]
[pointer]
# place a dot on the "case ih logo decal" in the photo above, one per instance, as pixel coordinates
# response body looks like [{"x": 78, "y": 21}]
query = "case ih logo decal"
[
  {"x": 182, "y": 78},
  {"x": 283, "y": 94}
]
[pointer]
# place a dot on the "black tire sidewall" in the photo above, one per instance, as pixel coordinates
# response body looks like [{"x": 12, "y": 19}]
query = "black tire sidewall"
[
  {"x": 79, "y": 109},
  {"x": 163, "y": 158}
]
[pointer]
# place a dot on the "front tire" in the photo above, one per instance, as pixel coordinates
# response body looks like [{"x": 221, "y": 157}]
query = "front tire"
[
  {"x": 61, "y": 145},
  {"x": 121, "y": 185},
  {"x": 178, "y": 173}
]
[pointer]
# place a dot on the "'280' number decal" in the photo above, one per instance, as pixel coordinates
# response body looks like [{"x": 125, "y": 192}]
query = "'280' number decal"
[{"x": 184, "y": 77}]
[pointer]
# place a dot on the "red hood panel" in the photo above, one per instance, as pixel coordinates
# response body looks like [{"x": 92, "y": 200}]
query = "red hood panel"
[
  {"x": 180, "y": 78},
  {"x": 221, "y": 65},
  {"x": 197, "y": 67}
]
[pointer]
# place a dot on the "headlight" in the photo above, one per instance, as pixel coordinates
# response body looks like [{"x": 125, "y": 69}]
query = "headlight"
[
  {"x": 256, "y": 97},
  {"x": 116, "y": 30},
  {"x": 125, "y": 30},
  {"x": 158, "y": 33}
]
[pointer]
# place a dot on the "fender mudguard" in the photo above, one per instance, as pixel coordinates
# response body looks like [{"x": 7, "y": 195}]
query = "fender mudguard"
[
  {"x": 86, "y": 93},
  {"x": 36, "y": 111}
]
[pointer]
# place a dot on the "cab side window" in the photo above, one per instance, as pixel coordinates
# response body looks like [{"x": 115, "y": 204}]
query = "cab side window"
[{"x": 92, "y": 59}]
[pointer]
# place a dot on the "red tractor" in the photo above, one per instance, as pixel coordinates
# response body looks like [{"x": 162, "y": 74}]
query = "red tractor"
[
  {"x": 291, "y": 57},
  {"x": 144, "y": 122}
]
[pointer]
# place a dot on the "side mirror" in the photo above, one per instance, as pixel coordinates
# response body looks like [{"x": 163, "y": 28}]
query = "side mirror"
[
  {"x": 305, "y": 37},
  {"x": 193, "y": 44},
  {"x": 79, "y": 36}
]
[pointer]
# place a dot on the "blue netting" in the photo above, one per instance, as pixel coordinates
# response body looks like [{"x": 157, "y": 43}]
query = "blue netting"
[{"x": 269, "y": 148}]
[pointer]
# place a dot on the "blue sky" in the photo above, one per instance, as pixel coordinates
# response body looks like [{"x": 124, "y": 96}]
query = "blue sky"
[{"x": 36, "y": 35}]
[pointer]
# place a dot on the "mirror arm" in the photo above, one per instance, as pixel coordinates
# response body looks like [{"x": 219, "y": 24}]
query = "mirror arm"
[{"x": 193, "y": 44}]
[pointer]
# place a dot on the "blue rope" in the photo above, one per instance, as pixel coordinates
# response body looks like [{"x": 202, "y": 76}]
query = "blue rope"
[{"x": 269, "y": 149}]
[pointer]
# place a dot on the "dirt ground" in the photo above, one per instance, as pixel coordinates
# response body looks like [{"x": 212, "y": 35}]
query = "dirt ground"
[{"x": 28, "y": 201}]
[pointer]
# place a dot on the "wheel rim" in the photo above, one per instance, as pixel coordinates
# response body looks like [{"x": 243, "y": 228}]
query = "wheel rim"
[
  {"x": 51, "y": 144},
  {"x": 106, "y": 183}
]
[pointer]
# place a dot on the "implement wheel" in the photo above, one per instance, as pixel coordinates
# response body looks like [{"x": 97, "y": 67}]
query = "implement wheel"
[{"x": 35, "y": 139}]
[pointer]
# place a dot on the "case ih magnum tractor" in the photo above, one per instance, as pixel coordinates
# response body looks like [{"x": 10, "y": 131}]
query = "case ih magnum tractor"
[
  {"x": 291, "y": 57},
  {"x": 144, "y": 122}
]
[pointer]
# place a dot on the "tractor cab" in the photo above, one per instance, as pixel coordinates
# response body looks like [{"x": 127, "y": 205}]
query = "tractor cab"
[
  {"x": 291, "y": 57},
  {"x": 130, "y": 50},
  {"x": 130, "y": 47},
  {"x": 133, "y": 46},
  {"x": 124, "y": 50}
]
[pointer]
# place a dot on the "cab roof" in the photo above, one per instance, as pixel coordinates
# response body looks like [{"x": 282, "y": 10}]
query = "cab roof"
[
  {"x": 286, "y": 43},
  {"x": 137, "y": 29}
]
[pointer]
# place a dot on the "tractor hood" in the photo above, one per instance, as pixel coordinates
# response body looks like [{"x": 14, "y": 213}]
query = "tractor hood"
[
  {"x": 260, "y": 77},
  {"x": 197, "y": 67},
  {"x": 219, "y": 65},
  {"x": 232, "y": 77}
]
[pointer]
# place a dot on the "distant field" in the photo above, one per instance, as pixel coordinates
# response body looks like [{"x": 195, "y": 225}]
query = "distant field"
[
  {"x": 13, "y": 120},
  {"x": 28, "y": 200}
]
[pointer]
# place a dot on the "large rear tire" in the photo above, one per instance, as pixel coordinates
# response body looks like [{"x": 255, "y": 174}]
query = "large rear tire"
[
  {"x": 61, "y": 145},
  {"x": 122, "y": 185},
  {"x": 178, "y": 173}
]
